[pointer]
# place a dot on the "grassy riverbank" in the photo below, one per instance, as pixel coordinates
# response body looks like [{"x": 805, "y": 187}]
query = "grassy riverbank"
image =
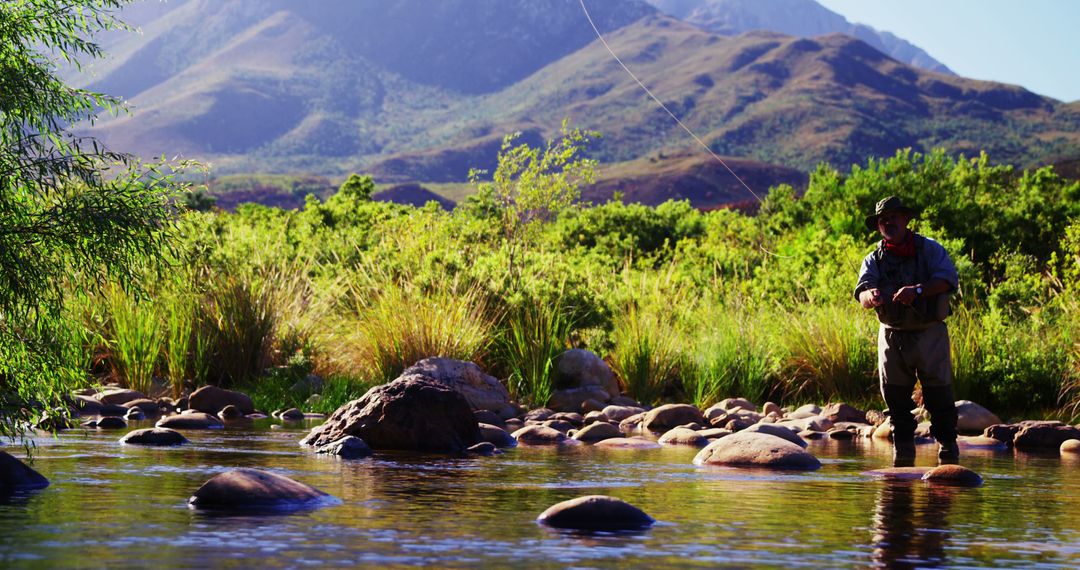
[{"x": 686, "y": 305}]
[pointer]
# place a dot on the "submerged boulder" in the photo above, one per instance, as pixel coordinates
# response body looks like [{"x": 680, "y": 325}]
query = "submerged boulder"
[
  {"x": 595, "y": 512},
  {"x": 413, "y": 413},
  {"x": 541, "y": 435},
  {"x": 683, "y": 436},
  {"x": 154, "y": 436},
  {"x": 348, "y": 447},
  {"x": 18, "y": 476},
  {"x": 481, "y": 390},
  {"x": 899, "y": 473},
  {"x": 247, "y": 488},
  {"x": 211, "y": 400},
  {"x": 756, "y": 450},
  {"x": 956, "y": 475},
  {"x": 193, "y": 420},
  {"x": 496, "y": 436},
  {"x": 627, "y": 443}
]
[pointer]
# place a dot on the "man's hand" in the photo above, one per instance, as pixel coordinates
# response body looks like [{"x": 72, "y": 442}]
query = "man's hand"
[
  {"x": 906, "y": 295},
  {"x": 871, "y": 298}
]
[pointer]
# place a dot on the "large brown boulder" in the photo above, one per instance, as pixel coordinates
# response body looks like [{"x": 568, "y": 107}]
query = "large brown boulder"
[
  {"x": 1044, "y": 436},
  {"x": 481, "y": 390},
  {"x": 247, "y": 488},
  {"x": 595, "y": 512},
  {"x": 414, "y": 412},
  {"x": 578, "y": 368},
  {"x": 18, "y": 476},
  {"x": 211, "y": 400},
  {"x": 840, "y": 412},
  {"x": 756, "y": 450},
  {"x": 663, "y": 418},
  {"x": 1007, "y": 432}
]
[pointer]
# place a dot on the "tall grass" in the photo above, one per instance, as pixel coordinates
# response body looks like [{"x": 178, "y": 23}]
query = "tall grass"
[
  {"x": 391, "y": 329},
  {"x": 534, "y": 336},
  {"x": 731, "y": 357},
  {"x": 649, "y": 339},
  {"x": 828, "y": 352},
  {"x": 136, "y": 339},
  {"x": 180, "y": 335},
  {"x": 241, "y": 322}
]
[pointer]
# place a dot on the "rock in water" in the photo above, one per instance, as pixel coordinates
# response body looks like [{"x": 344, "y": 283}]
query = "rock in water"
[
  {"x": 348, "y": 447},
  {"x": 541, "y": 435},
  {"x": 1070, "y": 446},
  {"x": 756, "y": 450},
  {"x": 663, "y": 418},
  {"x": 154, "y": 436},
  {"x": 413, "y": 413},
  {"x": 246, "y": 488},
  {"x": 496, "y": 436},
  {"x": 778, "y": 431},
  {"x": 18, "y": 476},
  {"x": 595, "y": 512},
  {"x": 953, "y": 475},
  {"x": 193, "y": 420},
  {"x": 211, "y": 400}
]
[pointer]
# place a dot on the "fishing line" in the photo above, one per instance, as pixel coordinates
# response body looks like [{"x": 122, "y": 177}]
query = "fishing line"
[
  {"x": 662, "y": 105},
  {"x": 675, "y": 118}
]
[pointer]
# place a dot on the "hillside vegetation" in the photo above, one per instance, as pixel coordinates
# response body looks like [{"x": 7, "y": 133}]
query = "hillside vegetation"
[{"x": 685, "y": 305}]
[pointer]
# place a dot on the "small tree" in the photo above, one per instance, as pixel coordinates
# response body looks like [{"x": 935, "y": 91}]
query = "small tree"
[
  {"x": 71, "y": 212},
  {"x": 531, "y": 186}
]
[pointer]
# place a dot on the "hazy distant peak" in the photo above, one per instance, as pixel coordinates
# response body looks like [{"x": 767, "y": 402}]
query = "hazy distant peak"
[{"x": 803, "y": 18}]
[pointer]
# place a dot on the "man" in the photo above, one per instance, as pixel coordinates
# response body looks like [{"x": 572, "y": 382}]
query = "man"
[{"x": 907, "y": 280}]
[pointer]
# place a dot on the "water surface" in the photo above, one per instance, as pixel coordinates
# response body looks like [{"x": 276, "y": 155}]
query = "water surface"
[{"x": 119, "y": 506}]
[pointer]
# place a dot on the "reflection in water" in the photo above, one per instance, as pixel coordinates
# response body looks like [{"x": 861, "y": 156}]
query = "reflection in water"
[{"x": 910, "y": 519}]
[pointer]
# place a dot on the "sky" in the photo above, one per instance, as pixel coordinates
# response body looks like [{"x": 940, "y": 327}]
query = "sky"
[{"x": 1033, "y": 43}]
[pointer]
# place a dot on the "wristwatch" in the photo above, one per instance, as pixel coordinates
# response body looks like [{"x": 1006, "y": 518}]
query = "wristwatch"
[{"x": 918, "y": 290}]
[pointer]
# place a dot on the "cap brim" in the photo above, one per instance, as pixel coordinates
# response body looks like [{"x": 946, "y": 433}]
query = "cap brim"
[{"x": 871, "y": 221}]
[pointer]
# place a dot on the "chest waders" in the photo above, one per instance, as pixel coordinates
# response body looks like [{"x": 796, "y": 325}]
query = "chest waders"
[{"x": 903, "y": 327}]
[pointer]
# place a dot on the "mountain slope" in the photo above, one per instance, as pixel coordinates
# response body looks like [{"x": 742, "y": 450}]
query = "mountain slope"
[
  {"x": 804, "y": 18},
  {"x": 775, "y": 99},
  {"x": 262, "y": 86}
]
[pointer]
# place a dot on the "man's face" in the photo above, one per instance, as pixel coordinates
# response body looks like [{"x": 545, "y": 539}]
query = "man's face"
[{"x": 893, "y": 226}]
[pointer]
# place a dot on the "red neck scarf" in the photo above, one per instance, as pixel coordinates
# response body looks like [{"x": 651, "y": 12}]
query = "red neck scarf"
[{"x": 905, "y": 248}]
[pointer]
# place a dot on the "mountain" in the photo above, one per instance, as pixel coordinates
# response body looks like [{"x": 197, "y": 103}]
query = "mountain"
[
  {"x": 392, "y": 88},
  {"x": 803, "y": 18},
  {"x": 771, "y": 98}
]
